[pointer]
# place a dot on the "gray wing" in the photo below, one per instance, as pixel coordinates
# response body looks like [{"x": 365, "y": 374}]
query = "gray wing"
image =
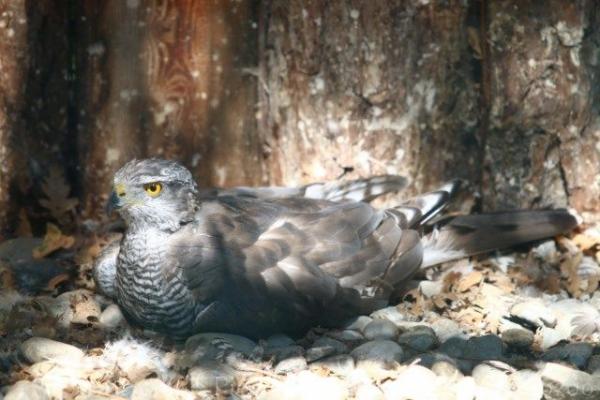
[
  {"x": 365, "y": 189},
  {"x": 307, "y": 261}
]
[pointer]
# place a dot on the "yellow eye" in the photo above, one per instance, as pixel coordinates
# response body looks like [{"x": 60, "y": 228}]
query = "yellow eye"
[{"x": 153, "y": 188}]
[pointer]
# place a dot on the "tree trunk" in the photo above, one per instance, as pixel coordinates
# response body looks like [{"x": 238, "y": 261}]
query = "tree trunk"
[
  {"x": 373, "y": 87},
  {"x": 544, "y": 101},
  {"x": 168, "y": 79}
]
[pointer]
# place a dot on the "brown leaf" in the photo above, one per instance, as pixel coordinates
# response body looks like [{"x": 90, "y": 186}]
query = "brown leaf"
[
  {"x": 585, "y": 242},
  {"x": 7, "y": 277},
  {"x": 470, "y": 280},
  {"x": 53, "y": 240},
  {"x": 57, "y": 192},
  {"x": 56, "y": 281}
]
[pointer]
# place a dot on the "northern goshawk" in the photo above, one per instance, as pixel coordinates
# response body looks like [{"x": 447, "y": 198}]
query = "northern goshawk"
[{"x": 253, "y": 263}]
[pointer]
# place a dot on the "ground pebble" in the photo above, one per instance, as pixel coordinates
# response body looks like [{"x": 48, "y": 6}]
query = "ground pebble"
[
  {"x": 341, "y": 364},
  {"x": 368, "y": 391},
  {"x": 527, "y": 385},
  {"x": 420, "y": 338},
  {"x": 380, "y": 329},
  {"x": 447, "y": 370},
  {"x": 211, "y": 376},
  {"x": 414, "y": 382},
  {"x": 391, "y": 314},
  {"x": 357, "y": 323},
  {"x": 281, "y": 353},
  {"x": 155, "y": 389},
  {"x": 491, "y": 377},
  {"x": 78, "y": 307},
  {"x": 550, "y": 337},
  {"x": 292, "y": 364},
  {"x": 454, "y": 347},
  {"x": 486, "y": 347},
  {"x": 534, "y": 312},
  {"x": 593, "y": 366},
  {"x": 519, "y": 338},
  {"x": 381, "y": 351},
  {"x": 323, "y": 347},
  {"x": 346, "y": 335},
  {"x": 445, "y": 329},
  {"x": 307, "y": 385},
  {"x": 25, "y": 390},
  {"x": 38, "y": 349},
  {"x": 577, "y": 354},
  {"x": 564, "y": 383},
  {"x": 112, "y": 317}
]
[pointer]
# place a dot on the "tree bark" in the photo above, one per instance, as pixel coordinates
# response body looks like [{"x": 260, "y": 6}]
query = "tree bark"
[
  {"x": 373, "y": 87},
  {"x": 543, "y": 120},
  {"x": 167, "y": 78}
]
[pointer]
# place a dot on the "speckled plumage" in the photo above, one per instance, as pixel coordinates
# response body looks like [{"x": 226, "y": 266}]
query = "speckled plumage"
[{"x": 248, "y": 263}]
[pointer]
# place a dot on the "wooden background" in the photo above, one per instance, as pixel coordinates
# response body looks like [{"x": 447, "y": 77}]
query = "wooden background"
[{"x": 503, "y": 93}]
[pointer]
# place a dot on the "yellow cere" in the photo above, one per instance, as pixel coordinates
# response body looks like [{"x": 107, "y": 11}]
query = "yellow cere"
[{"x": 153, "y": 188}]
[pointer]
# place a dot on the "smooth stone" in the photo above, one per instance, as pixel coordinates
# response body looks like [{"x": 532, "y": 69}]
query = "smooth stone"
[
  {"x": 577, "y": 354},
  {"x": 38, "y": 349},
  {"x": 381, "y": 351},
  {"x": 593, "y": 366},
  {"x": 112, "y": 317},
  {"x": 464, "y": 389},
  {"x": 506, "y": 324},
  {"x": 380, "y": 329},
  {"x": 431, "y": 288},
  {"x": 77, "y": 307},
  {"x": 391, "y": 314},
  {"x": 491, "y": 377},
  {"x": 289, "y": 365},
  {"x": 534, "y": 312},
  {"x": 447, "y": 370},
  {"x": 454, "y": 347},
  {"x": 210, "y": 346},
  {"x": 486, "y": 347},
  {"x": 420, "y": 338},
  {"x": 346, "y": 336},
  {"x": 155, "y": 389},
  {"x": 25, "y": 390},
  {"x": 446, "y": 328},
  {"x": 357, "y": 323},
  {"x": 414, "y": 382},
  {"x": 323, "y": 347},
  {"x": 341, "y": 364},
  {"x": 551, "y": 337},
  {"x": 527, "y": 385},
  {"x": 279, "y": 340},
  {"x": 368, "y": 391},
  {"x": 211, "y": 376},
  {"x": 565, "y": 383},
  {"x": 307, "y": 385},
  {"x": 519, "y": 338}
]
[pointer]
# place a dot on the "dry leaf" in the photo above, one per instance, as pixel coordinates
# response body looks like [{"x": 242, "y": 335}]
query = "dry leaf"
[
  {"x": 585, "y": 242},
  {"x": 53, "y": 240},
  {"x": 57, "y": 192},
  {"x": 56, "y": 281},
  {"x": 470, "y": 280},
  {"x": 7, "y": 277}
]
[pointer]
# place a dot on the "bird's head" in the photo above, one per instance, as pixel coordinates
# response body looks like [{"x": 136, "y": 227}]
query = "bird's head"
[{"x": 155, "y": 192}]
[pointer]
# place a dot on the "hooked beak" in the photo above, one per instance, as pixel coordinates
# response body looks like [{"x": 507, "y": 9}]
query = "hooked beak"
[{"x": 115, "y": 200}]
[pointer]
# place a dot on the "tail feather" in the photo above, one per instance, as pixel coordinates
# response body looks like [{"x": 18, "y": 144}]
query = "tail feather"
[{"x": 465, "y": 235}]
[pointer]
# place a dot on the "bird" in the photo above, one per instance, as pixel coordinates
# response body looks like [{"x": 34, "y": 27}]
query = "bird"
[{"x": 261, "y": 262}]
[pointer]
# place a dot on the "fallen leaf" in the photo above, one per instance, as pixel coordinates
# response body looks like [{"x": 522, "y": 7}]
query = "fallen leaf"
[
  {"x": 53, "y": 240},
  {"x": 56, "y": 281},
  {"x": 585, "y": 242},
  {"x": 470, "y": 280},
  {"x": 57, "y": 193}
]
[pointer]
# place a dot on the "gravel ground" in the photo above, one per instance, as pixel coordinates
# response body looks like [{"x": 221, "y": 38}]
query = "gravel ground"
[{"x": 512, "y": 326}]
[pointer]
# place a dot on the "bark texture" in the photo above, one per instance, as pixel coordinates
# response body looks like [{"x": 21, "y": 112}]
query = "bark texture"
[
  {"x": 373, "y": 87},
  {"x": 170, "y": 79},
  {"x": 544, "y": 129}
]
